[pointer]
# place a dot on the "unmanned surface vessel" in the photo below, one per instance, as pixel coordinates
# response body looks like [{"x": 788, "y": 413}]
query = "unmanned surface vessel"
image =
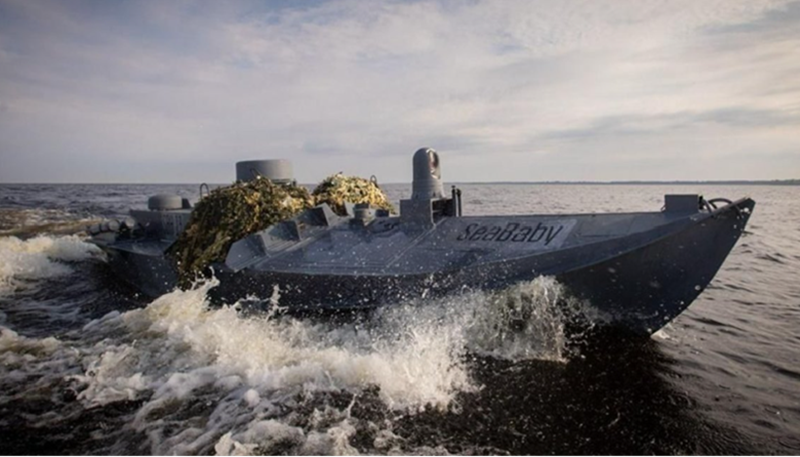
[{"x": 640, "y": 269}]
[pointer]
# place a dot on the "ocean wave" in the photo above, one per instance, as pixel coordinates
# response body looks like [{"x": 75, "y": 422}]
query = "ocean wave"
[
  {"x": 27, "y": 223},
  {"x": 24, "y": 261},
  {"x": 264, "y": 383}
]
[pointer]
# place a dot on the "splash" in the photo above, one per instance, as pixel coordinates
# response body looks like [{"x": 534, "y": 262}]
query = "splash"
[
  {"x": 240, "y": 382},
  {"x": 15, "y": 349},
  {"x": 37, "y": 258},
  {"x": 523, "y": 322},
  {"x": 242, "y": 372},
  {"x": 32, "y": 368}
]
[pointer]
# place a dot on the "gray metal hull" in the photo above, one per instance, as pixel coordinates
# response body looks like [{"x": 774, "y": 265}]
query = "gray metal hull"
[
  {"x": 645, "y": 288},
  {"x": 143, "y": 265},
  {"x": 640, "y": 269},
  {"x": 639, "y": 282}
]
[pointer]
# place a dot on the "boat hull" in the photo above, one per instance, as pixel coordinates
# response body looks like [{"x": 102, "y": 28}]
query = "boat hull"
[
  {"x": 644, "y": 289},
  {"x": 638, "y": 282}
]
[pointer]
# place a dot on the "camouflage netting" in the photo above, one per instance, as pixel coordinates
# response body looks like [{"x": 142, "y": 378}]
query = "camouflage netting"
[
  {"x": 337, "y": 189},
  {"x": 228, "y": 214}
]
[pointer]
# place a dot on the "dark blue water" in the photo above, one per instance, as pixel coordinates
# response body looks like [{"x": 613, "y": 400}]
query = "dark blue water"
[{"x": 89, "y": 367}]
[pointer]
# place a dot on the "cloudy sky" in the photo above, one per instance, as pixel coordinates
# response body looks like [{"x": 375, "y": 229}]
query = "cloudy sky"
[{"x": 153, "y": 91}]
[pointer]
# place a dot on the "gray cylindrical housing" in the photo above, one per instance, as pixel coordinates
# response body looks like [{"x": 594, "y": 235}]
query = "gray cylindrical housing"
[
  {"x": 427, "y": 182},
  {"x": 164, "y": 202},
  {"x": 276, "y": 170}
]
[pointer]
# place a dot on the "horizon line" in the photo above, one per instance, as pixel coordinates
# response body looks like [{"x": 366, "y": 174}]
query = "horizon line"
[{"x": 794, "y": 181}]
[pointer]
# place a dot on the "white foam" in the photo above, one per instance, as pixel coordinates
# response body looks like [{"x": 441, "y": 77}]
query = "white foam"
[
  {"x": 252, "y": 398},
  {"x": 228, "y": 446},
  {"x": 31, "y": 366},
  {"x": 334, "y": 441},
  {"x": 262, "y": 436},
  {"x": 177, "y": 346},
  {"x": 13, "y": 346},
  {"x": 39, "y": 258},
  {"x": 109, "y": 379},
  {"x": 250, "y": 370}
]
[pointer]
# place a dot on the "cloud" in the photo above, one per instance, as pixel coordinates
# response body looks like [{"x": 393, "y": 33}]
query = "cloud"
[
  {"x": 89, "y": 87},
  {"x": 656, "y": 125}
]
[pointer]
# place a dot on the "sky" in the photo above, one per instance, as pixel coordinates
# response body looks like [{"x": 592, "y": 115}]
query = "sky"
[{"x": 531, "y": 90}]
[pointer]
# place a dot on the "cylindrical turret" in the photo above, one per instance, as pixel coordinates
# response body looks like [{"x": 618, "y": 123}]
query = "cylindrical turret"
[
  {"x": 277, "y": 170},
  {"x": 164, "y": 202},
  {"x": 427, "y": 183}
]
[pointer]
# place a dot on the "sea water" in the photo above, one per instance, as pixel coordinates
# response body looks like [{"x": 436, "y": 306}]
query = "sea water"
[{"x": 89, "y": 366}]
